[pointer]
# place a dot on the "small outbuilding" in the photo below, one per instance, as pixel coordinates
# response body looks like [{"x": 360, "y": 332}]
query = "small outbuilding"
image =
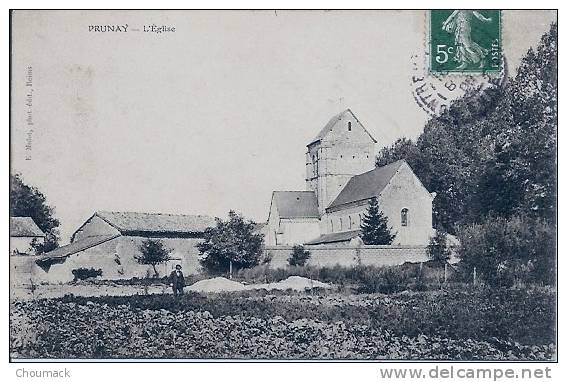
[
  {"x": 110, "y": 241},
  {"x": 23, "y": 233}
]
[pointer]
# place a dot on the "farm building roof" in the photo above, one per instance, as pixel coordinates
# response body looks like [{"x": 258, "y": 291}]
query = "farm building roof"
[
  {"x": 141, "y": 222},
  {"x": 336, "y": 237},
  {"x": 74, "y": 247},
  {"x": 295, "y": 204},
  {"x": 24, "y": 227},
  {"x": 332, "y": 122},
  {"x": 367, "y": 185}
]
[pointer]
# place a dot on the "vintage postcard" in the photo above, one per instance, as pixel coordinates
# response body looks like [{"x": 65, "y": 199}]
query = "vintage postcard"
[{"x": 277, "y": 185}]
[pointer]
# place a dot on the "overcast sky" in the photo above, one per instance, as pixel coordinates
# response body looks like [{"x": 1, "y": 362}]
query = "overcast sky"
[{"x": 214, "y": 116}]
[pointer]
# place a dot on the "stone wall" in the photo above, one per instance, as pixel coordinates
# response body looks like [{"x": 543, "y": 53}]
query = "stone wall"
[
  {"x": 331, "y": 255},
  {"x": 116, "y": 259}
]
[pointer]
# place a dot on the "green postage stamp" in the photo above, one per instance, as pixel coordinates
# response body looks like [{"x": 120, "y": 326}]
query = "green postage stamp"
[{"x": 465, "y": 41}]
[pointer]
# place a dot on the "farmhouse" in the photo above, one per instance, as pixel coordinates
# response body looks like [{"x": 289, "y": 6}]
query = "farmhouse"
[
  {"x": 23, "y": 232},
  {"x": 341, "y": 178},
  {"x": 110, "y": 241}
]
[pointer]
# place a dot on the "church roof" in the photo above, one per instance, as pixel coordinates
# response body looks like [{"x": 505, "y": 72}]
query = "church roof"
[
  {"x": 333, "y": 121},
  {"x": 128, "y": 222},
  {"x": 367, "y": 185},
  {"x": 295, "y": 204},
  {"x": 24, "y": 227},
  {"x": 336, "y": 237}
]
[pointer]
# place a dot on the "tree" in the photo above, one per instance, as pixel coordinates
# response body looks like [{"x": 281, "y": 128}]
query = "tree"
[
  {"x": 523, "y": 170},
  {"x": 492, "y": 152},
  {"x": 153, "y": 252},
  {"x": 402, "y": 148},
  {"x": 299, "y": 256},
  {"x": 437, "y": 249},
  {"x": 231, "y": 243},
  {"x": 507, "y": 251},
  {"x": 28, "y": 201},
  {"x": 375, "y": 230}
]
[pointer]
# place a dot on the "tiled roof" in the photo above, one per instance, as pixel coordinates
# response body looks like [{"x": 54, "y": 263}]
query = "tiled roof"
[
  {"x": 366, "y": 185},
  {"x": 332, "y": 122},
  {"x": 76, "y": 246},
  {"x": 24, "y": 227},
  {"x": 336, "y": 237},
  {"x": 127, "y": 222},
  {"x": 295, "y": 204}
]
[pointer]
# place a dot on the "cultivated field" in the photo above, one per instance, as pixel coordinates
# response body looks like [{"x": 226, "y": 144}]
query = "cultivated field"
[{"x": 456, "y": 324}]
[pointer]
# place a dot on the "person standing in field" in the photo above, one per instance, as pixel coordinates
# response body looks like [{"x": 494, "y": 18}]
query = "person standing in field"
[{"x": 177, "y": 281}]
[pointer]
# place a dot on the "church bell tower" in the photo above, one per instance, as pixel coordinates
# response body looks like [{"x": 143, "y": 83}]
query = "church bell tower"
[{"x": 343, "y": 149}]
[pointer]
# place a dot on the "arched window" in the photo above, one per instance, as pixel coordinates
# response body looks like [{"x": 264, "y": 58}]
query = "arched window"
[
  {"x": 405, "y": 217},
  {"x": 350, "y": 222},
  {"x": 331, "y": 225},
  {"x": 341, "y": 224},
  {"x": 349, "y": 126}
]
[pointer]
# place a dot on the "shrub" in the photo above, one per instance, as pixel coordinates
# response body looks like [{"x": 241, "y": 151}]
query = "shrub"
[
  {"x": 299, "y": 256},
  {"x": 387, "y": 279},
  {"x": 509, "y": 251},
  {"x": 86, "y": 273},
  {"x": 362, "y": 278},
  {"x": 437, "y": 249}
]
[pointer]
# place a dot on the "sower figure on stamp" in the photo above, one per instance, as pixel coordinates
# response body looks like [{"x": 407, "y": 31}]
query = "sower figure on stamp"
[
  {"x": 177, "y": 281},
  {"x": 467, "y": 50}
]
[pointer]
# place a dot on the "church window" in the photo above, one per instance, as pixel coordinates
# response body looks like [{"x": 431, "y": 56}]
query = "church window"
[
  {"x": 349, "y": 126},
  {"x": 341, "y": 224},
  {"x": 405, "y": 213},
  {"x": 350, "y": 222}
]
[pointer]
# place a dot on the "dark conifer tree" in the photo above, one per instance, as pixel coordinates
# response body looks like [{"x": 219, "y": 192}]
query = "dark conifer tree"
[{"x": 375, "y": 230}]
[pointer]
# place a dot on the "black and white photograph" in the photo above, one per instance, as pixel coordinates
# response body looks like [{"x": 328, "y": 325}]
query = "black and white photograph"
[{"x": 283, "y": 186}]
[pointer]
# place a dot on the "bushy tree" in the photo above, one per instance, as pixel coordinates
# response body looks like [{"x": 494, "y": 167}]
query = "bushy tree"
[
  {"x": 402, "y": 148},
  {"x": 437, "y": 249},
  {"x": 522, "y": 173},
  {"x": 492, "y": 152},
  {"x": 508, "y": 251},
  {"x": 299, "y": 256},
  {"x": 231, "y": 243},
  {"x": 153, "y": 252},
  {"x": 27, "y": 200},
  {"x": 375, "y": 230}
]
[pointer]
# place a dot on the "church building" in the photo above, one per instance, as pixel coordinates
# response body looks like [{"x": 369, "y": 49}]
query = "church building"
[{"x": 341, "y": 178}]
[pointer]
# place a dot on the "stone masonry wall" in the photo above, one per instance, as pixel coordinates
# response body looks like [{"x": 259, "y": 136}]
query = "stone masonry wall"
[{"x": 328, "y": 256}]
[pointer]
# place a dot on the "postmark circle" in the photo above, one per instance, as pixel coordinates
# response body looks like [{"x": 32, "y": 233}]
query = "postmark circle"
[{"x": 434, "y": 91}]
